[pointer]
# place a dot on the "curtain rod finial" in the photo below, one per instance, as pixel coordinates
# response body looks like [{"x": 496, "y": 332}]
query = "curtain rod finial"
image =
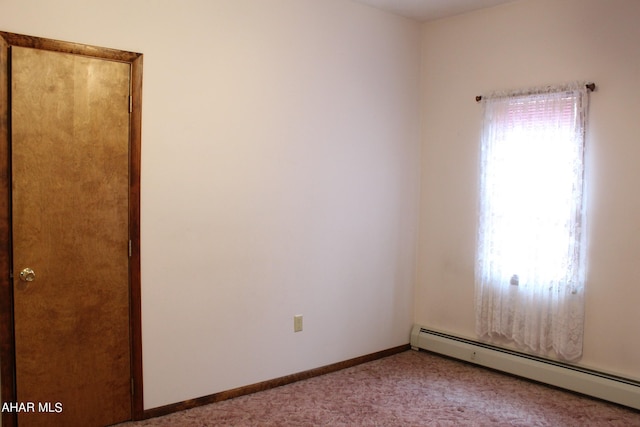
[
  {"x": 478, "y": 98},
  {"x": 591, "y": 86}
]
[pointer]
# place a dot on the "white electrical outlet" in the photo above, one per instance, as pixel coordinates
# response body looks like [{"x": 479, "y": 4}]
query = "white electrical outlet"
[{"x": 297, "y": 323}]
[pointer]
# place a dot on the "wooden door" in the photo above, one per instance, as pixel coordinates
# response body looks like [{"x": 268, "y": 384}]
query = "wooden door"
[{"x": 70, "y": 225}]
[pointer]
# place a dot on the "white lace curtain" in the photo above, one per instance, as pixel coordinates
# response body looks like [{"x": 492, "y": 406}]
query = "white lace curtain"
[{"x": 530, "y": 252}]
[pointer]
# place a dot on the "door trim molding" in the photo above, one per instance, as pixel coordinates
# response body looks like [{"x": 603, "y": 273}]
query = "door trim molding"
[{"x": 7, "y": 338}]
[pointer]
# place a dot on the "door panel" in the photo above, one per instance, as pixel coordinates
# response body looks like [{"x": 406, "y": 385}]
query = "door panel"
[{"x": 70, "y": 187}]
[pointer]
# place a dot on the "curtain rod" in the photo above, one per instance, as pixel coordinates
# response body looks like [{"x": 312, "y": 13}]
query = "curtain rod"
[{"x": 590, "y": 86}]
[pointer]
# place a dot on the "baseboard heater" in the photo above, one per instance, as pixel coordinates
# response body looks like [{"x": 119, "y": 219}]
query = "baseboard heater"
[{"x": 612, "y": 388}]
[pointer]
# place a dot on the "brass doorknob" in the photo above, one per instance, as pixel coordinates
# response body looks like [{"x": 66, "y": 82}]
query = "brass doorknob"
[{"x": 27, "y": 275}]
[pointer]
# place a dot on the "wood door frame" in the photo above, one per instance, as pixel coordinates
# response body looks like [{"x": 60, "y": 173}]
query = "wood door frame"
[{"x": 7, "y": 337}]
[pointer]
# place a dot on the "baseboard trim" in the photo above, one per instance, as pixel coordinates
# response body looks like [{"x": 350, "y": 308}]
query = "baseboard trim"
[{"x": 266, "y": 385}]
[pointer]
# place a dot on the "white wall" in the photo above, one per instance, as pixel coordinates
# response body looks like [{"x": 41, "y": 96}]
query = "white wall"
[
  {"x": 519, "y": 45},
  {"x": 280, "y": 176}
]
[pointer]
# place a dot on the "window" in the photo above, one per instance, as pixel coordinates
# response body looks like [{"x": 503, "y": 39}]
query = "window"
[{"x": 529, "y": 259}]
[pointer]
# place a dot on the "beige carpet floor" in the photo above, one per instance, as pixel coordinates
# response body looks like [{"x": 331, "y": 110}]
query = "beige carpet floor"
[{"x": 408, "y": 389}]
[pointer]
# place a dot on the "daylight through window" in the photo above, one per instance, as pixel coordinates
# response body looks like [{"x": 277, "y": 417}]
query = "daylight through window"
[{"x": 529, "y": 267}]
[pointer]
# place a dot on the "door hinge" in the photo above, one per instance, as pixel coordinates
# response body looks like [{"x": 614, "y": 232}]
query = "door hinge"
[
  {"x": 130, "y": 104},
  {"x": 130, "y": 250}
]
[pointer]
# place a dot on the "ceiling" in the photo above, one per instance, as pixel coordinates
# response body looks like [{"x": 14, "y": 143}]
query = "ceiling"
[{"x": 427, "y": 10}]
